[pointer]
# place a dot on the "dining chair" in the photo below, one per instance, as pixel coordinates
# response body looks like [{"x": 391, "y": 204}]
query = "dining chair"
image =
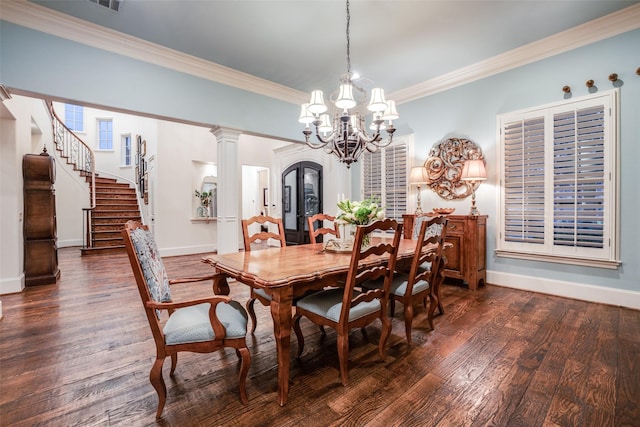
[
  {"x": 263, "y": 234},
  {"x": 201, "y": 325},
  {"x": 427, "y": 265},
  {"x": 424, "y": 278},
  {"x": 321, "y": 230},
  {"x": 258, "y": 228},
  {"x": 346, "y": 308}
]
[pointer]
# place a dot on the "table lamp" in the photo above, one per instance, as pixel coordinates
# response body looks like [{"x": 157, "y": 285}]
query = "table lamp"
[
  {"x": 417, "y": 177},
  {"x": 474, "y": 172}
]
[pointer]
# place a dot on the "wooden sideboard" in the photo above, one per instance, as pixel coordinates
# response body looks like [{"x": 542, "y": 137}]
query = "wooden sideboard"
[{"x": 467, "y": 258}]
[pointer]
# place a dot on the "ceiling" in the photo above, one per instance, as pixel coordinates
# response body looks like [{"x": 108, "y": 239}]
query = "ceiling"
[{"x": 301, "y": 44}]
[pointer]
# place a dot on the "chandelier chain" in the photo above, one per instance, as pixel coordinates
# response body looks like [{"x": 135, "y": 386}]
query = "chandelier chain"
[{"x": 348, "y": 43}]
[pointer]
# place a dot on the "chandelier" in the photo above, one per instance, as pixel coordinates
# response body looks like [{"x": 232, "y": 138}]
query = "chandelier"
[{"x": 345, "y": 134}]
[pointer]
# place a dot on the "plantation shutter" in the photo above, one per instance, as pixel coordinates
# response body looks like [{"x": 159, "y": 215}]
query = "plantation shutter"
[
  {"x": 372, "y": 175},
  {"x": 524, "y": 181},
  {"x": 384, "y": 176},
  {"x": 559, "y": 182},
  {"x": 395, "y": 200},
  {"x": 579, "y": 177}
]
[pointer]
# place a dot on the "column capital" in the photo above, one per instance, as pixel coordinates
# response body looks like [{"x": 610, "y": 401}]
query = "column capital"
[{"x": 225, "y": 133}]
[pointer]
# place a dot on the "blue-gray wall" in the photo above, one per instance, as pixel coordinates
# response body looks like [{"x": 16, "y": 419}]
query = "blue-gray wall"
[
  {"x": 44, "y": 64},
  {"x": 470, "y": 111}
]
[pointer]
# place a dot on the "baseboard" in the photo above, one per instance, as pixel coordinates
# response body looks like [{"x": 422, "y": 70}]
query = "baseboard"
[
  {"x": 583, "y": 292},
  {"x": 12, "y": 285},
  {"x": 187, "y": 250},
  {"x": 68, "y": 243}
]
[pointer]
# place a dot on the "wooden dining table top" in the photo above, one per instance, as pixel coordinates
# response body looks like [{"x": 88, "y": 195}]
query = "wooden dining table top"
[{"x": 276, "y": 267}]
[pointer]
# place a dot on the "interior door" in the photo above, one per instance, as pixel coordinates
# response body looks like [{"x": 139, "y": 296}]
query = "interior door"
[{"x": 301, "y": 198}]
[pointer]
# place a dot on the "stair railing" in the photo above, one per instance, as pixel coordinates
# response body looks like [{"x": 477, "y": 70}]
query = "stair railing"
[{"x": 81, "y": 156}]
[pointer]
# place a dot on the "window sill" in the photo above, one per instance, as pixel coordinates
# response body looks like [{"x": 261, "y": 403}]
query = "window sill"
[{"x": 599, "y": 263}]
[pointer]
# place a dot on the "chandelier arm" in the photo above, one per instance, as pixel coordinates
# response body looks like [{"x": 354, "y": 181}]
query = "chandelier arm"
[
  {"x": 307, "y": 135},
  {"x": 365, "y": 138},
  {"x": 329, "y": 138}
]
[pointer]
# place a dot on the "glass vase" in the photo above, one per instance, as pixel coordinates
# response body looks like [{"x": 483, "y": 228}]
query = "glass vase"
[{"x": 366, "y": 240}]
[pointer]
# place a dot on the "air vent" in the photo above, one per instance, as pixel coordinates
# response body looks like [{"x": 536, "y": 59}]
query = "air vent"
[
  {"x": 364, "y": 82},
  {"x": 109, "y": 4}
]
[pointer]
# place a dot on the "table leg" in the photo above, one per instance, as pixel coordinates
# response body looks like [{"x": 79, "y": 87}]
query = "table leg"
[
  {"x": 220, "y": 285},
  {"x": 281, "y": 304}
]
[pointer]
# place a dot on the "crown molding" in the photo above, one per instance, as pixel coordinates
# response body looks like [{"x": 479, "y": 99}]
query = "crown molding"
[
  {"x": 4, "y": 93},
  {"x": 40, "y": 18},
  {"x": 616, "y": 23}
]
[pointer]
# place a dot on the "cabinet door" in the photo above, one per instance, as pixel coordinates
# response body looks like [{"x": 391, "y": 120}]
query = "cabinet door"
[{"x": 455, "y": 254}]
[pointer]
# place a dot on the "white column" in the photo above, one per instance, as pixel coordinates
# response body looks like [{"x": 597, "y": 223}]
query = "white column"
[{"x": 228, "y": 189}]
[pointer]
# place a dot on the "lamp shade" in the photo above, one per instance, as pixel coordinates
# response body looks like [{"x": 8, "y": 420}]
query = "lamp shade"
[
  {"x": 390, "y": 113},
  {"x": 418, "y": 175},
  {"x": 305, "y": 116},
  {"x": 380, "y": 123},
  {"x": 473, "y": 170},
  {"x": 317, "y": 105},
  {"x": 377, "y": 102},
  {"x": 345, "y": 97},
  {"x": 325, "y": 125}
]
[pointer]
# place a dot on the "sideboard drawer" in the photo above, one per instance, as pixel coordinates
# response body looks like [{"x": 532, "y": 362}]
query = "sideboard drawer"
[{"x": 455, "y": 227}]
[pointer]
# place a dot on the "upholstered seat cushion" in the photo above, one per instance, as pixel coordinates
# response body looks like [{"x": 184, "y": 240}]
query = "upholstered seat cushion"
[
  {"x": 425, "y": 266},
  {"x": 328, "y": 304},
  {"x": 262, "y": 293},
  {"x": 399, "y": 285},
  {"x": 191, "y": 324}
]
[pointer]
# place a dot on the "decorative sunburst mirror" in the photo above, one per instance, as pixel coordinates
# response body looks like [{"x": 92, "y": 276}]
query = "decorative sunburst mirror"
[{"x": 444, "y": 167}]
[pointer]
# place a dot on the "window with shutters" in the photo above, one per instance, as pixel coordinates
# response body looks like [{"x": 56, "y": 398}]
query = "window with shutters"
[
  {"x": 385, "y": 176},
  {"x": 559, "y": 182}
]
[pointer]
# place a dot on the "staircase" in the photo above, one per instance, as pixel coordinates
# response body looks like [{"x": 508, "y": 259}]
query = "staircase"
[
  {"x": 112, "y": 203},
  {"x": 116, "y": 203}
]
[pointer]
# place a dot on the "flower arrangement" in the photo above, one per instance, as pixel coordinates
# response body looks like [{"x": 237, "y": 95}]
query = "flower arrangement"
[
  {"x": 205, "y": 197},
  {"x": 359, "y": 213}
]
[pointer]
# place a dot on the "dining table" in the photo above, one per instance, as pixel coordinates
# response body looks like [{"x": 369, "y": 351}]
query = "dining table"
[{"x": 288, "y": 273}]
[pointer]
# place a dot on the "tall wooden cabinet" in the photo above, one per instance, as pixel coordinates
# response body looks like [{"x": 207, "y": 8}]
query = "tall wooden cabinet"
[
  {"x": 467, "y": 258},
  {"x": 40, "y": 238}
]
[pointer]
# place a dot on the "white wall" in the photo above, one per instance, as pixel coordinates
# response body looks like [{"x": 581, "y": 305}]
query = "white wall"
[
  {"x": 11, "y": 244},
  {"x": 23, "y": 131},
  {"x": 177, "y": 147}
]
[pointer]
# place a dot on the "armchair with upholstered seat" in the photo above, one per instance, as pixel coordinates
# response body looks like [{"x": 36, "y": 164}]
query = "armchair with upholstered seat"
[
  {"x": 424, "y": 278},
  {"x": 321, "y": 229},
  {"x": 263, "y": 235},
  {"x": 346, "y": 308},
  {"x": 202, "y": 325}
]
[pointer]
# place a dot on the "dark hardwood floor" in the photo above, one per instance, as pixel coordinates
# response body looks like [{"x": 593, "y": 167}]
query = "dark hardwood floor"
[{"x": 79, "y": 353}]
